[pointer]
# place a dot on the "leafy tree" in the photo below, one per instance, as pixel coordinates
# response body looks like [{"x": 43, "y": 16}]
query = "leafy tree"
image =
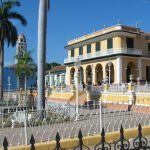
[
  {"x": 25, "y": 67},
  {"x": 49, "y": 66},
  {"x": 8, "y": 31}
]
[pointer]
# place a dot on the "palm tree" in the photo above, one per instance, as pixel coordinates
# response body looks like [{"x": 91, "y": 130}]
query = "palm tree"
[
  {"x": 42, "y": 26},
  {"x": 25, "y": 67},
  {"x": 8, "y": 32}
]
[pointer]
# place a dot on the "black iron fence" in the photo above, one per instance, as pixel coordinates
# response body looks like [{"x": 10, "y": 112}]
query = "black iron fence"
[{"x": 139, "y": 143}]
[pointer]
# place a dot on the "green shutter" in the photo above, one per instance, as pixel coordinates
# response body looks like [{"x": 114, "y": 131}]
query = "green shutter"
[
  {"x": 72, "y": 52},
  {"x": 81, "y": 50},
  {"x": 98, "y": 46},
  {"x": 109, "y": 43},
  {"x": 130, "y": 42},
  {"x": 89, "y": 48},
  {"x": 148, "y": 46}
]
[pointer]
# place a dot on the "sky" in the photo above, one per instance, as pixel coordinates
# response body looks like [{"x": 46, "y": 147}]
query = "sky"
[{"x": 68, "y": 19}]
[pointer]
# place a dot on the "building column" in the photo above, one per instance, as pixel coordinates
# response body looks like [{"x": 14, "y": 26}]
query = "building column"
[
  {"x": 80, "y": 77},
  {"x": 139, "y": 68},
  {"x": 76, "y": 76},
  {"x": 49, "y": 79},
  {"x": 67, "y": 76},
  {"x": 55, "y": 79},
  {"x": 104, "y": 73},
  {"x": 93, "y": 75},
  {"x": 84, "y": 74},
  {"x": 61, "y": 79},
  {"x": 119, "y": 69}
]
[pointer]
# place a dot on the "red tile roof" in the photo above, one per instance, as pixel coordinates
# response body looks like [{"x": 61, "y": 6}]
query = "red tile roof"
[
  {"x": 58, "y": 68},
  {"x": 12, "y": 66}
]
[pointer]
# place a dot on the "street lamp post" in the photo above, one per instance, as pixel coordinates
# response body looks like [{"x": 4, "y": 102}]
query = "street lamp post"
[
  {"x": 48, "y": 82},
  {"x": 77, "y": 65},
  {"x": 92, "y": 67},
  {"x": 100, "y": 115},
  {"x": 8, "y": 89},
  {"x": 109, "y": 65}
]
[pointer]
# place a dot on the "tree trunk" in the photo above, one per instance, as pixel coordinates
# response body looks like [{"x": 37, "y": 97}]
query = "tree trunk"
[
  {"x": 1, "y": 69},
  {"x": 18, "y": 83},
  {"x": 25, "y": 88},
  {"x": 42, "y": 22}
]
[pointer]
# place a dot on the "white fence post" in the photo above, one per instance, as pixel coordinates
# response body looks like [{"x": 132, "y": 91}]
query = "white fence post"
[{"x": 25, "y": 127}]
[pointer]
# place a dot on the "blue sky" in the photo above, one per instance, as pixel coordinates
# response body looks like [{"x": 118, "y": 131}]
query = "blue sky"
[{"x": 68, "y": 19}]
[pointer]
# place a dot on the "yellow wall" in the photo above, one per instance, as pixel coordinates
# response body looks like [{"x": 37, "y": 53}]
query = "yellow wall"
[
  {"x": 123, "y": 42},
  {"x": 76, "y": 52},
  {"x": 69, "y": 53},
  {"x": 93, "y": 48},
  {"x": 119, "y": 41},
  {"x": 103, "y": 45},
  {"x": 63, "y": 95},
  {"x": 84, "y": 50}
]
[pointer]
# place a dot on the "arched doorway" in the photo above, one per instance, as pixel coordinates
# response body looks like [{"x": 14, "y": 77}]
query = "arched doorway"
[
  {"x": 98, "y": 73},
  {"x": 110, "y": 71},
  {"x": 148, "y": 73},
  {"x": 72, "y": 73},
  {"x": 131, "y": 70},
  {"x": 88, "y": 74}
]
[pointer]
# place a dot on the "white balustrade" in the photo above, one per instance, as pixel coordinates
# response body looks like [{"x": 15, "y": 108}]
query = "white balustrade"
[{"x": 107, "y": 52}]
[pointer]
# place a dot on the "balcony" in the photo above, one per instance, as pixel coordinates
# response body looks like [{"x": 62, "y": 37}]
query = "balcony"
[{"x": 107, "y": 52}]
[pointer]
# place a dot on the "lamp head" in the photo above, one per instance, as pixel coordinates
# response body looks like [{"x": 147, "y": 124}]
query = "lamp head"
[
  {"x": 77, "y": 63},
  {"x": 109, "y": 63}
]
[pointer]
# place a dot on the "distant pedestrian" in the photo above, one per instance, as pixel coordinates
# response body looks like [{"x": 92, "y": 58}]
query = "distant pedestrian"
[
  {"x": 83, "y": 85},
  {"x": 99, "y": 82}
]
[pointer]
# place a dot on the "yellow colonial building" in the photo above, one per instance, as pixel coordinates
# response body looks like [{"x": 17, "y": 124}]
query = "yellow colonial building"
[{"x": 114, "y": 52}]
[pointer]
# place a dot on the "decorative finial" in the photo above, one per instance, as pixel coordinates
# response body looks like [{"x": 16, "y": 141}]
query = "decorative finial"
[
  {"x": 84, "y": 33},
  {"x": 137, "y": 25},
  {"x": 118, "y": 21}
]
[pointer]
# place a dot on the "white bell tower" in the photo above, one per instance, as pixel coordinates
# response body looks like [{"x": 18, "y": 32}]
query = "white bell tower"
[
  {"x": 21, "y": 46},
  {"x": 20, "y": 50}
]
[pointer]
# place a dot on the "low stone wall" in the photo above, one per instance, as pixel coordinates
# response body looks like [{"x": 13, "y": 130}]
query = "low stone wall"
[
  {"x": 141, "y": 109},
  {"x": 118, "y": 106},
  {"x": 60, "y": 95}
]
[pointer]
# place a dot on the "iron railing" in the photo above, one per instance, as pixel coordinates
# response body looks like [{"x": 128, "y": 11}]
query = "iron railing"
[
  {"x": 142, "y": 88},
  {"x": 118, "y": 88},
  {"x": 62, "y": 118},
  {"x": 140, "y": 142}
]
